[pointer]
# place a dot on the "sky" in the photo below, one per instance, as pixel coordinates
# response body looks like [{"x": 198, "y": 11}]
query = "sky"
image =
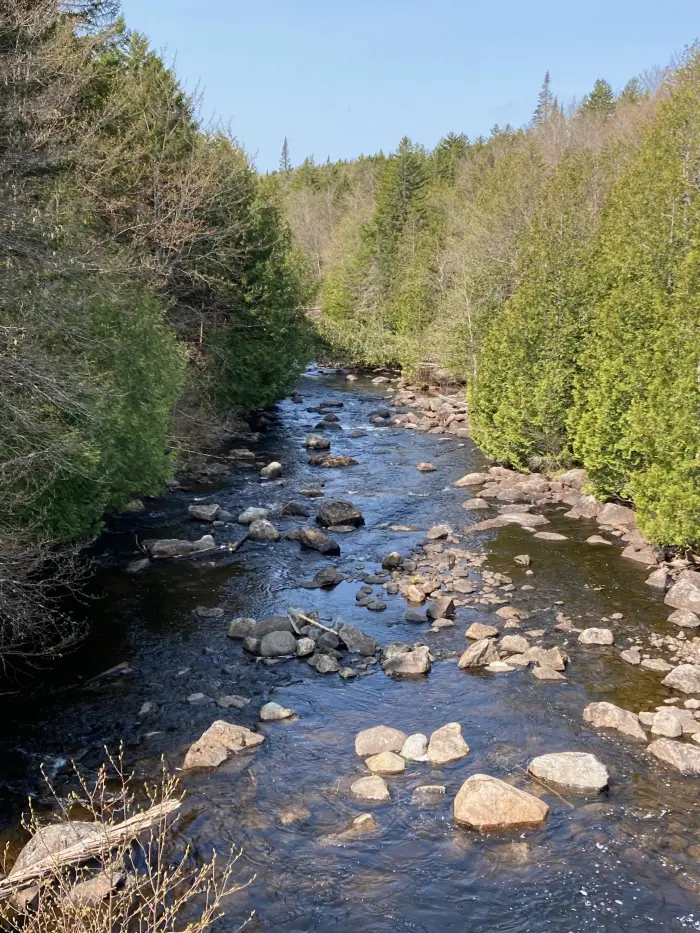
[{"x": 340, "y": 78}]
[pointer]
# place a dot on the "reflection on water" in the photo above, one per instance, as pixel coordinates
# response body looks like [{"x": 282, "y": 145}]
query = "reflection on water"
[{"x": 623, "y": 861}]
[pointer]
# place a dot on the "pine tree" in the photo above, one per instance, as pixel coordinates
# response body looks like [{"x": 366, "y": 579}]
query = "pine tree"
[
  {"x": 285, "y": 161},
  {"x": 601, "y": 100},
  {"x": 632, "y": 92},
  {"x": 546, "y": 103}
]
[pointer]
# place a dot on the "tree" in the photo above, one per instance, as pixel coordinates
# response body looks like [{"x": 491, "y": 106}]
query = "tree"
[
  {"x": 632, "y": 92},
  {"x": 285, "y": 161},
  {"x": 546, "y": 103},
  {"x": 600, "y": 101}
]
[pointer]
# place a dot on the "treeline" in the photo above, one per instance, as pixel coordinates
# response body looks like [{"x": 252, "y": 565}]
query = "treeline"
[
  {"x": 149, "y": 285},
  {"x": 552, "y": 268}
]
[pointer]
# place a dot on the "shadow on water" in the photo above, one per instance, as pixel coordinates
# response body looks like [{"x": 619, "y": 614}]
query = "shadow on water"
[{"x": 626, "y": 860}]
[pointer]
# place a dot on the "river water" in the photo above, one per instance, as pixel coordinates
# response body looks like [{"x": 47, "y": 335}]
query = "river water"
[{"x": 624, "y": 860}]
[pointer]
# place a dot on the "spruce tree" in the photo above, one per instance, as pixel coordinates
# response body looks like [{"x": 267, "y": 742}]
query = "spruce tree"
[
  {"x": 546, "y": 103},
  {"x": 632, "y": 92},
  {"x": 285, "y": 161},
  {"x": 600, "y": 101}
]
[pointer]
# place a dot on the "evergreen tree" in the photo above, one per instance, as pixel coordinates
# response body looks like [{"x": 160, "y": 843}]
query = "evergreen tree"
[
  {"x": 448, "y": 153},
  {"x": 632, "y": 92},
  {"x": 285, "y": 161},
  {"x": 600, "y": 101},
  {"x": 546, "y": 103}
]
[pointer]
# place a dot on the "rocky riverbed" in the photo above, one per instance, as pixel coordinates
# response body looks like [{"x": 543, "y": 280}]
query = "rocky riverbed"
[{"x": 419, "y": 692}]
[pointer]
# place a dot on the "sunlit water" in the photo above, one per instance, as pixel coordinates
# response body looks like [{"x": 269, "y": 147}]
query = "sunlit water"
[{"x": 626, "y": 860}]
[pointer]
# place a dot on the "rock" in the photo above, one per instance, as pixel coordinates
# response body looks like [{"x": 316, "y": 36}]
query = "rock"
[
  {"x": 475, "y": 505},
  {"x": 685, "y": 677},
  {"x": 477, "y": 631},
  {"x": 415, "y": 748},
  {"x": 273, "y": 712},
  {"x": 251, "y": 644},
  {"x": 473, "y": 479},
  {"x": 656, "y": 664},
  {"x": 499, "y": 667},
  {"x": 658, "y": 579},
  {"x": 199, "y": 698},
  {"x": 316, "y": 442},
  {"x": 680, "y": 755},
  {"x": 339, "y": 512},
  {"x": 524, "y": 519},
  {"x": 412, "y": 615},
  {"x": 91, "y": 892},
  {"x": 316, "y": 540},
  {"x": 596, "y": 636},
  {"x": 524, "y": 560},
  {"x": 550, "y": 657},
  {"x": 204, "y": 513},
  {"x": 134, "y": 507},
  {"x": 330, "y": 462},
  {"x": 487, "y": 804},
  {"x": 597, "y": 539},
  {"x": 347, "y": 673},
  {"x": 220, "y": 740},
  {"x": 579, "y": 770},
  {"x": 684, "y": 618},
  {"x": 277, "y": 644},
  {"x": 327, "y": 664},
  {"x": 232, "y": 700},
  {"x": 305, "y": 647},
  {"x": 643, "y": 555},
  {"x": 666, "y": 722},
  {"x": 631, "y": 655},
  {"x": 479, "y": 654},
  {"x": 251, "y": 515},
  {"x": 447, "y": 744},
  {"x": 262, "y": 530},
  {"x": 576, "y": 478},
  {"x": 440, "y": 608},
  {"x": 415, "y": 595},
  {"x": 271, "y": 471},
  {"x": 428, "y": 795},
  {"x": 426, "y": 468},
  {"x": 371, "y": 788},
  {"x": 327, "y": 577},
  {"x": 619, "y": 516},
  {"x": 379, "y": 739},
  {"x": 514, "y": 644},
  {"x": 177, "y": 547},
  {"x": 437, "y": 532},
  {"x": 386, "y": 763},
  {"x": 52, "y": 839},
  {"x": 295, "y": 510},
  {"x": 376, "y": 605},
  {"x": 311, "y": 493},
  {"x": 543, "y": 672},
  {"x": 685, "y": 592},
  {"x": 408, "y": 662},
  {"x": 549, "y": 536},
  {"x": 356, "y": 641},
  {"x": 392, "y": 561},
  {"x": 362, "y": 825},
  {"x": 608, "y": 716}
]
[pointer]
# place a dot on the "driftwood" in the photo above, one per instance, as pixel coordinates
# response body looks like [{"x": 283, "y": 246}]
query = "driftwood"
[
  {"x": 86, "y": 849},
  {"x": 320, "y": 625}
]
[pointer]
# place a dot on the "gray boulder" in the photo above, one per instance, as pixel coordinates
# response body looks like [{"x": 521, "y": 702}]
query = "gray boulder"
[
  {"x": 277, "y": 644},
  {"x": 400, "y": 660},
  {"x": 578, "y": 770},
  {"x": 685, "y": 592},
  {"x": 339, "y": 512},
  {"x": 317, "y": 540},
  {"x": 685, "y": 677},
  {"x": 479, "y": 654},
  {"x": 262, "y": 530},
  {"x": 204, "y": 513}
]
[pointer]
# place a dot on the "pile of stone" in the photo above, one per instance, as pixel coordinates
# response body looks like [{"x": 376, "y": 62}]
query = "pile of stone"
[
  {"x": 300, "y": 634},
  {"x": 432, "y": 412}
]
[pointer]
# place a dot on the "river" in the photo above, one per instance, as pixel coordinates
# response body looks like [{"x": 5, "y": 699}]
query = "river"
[{"x": 623, "y": 860}]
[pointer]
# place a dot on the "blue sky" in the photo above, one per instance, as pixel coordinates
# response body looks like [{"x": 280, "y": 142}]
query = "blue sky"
[{"x": 344, "y": 78}]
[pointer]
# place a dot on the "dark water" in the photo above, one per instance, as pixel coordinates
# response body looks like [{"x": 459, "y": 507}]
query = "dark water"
[{"x": 626, "y": 860}]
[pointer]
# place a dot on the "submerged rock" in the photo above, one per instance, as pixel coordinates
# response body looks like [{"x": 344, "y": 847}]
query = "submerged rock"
[
  {"x": 332, "y": 462},
  {"x": 488, "y": 804},
  {"x": 371, "y": 788},
  {"x": 426, "y": 468},
  {"x": 317, "y": 540},
  {"x": 252, "y": 514},
  {"x": 204, "y": 513},
  {"x": 679, "y": 755},
  {"x": 273, "y": 712},
  {"x": 386, "y": 763},
  {"x": 177, "y": 547}
]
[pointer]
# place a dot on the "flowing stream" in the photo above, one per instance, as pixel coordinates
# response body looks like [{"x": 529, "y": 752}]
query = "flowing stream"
[{"x": 623, "y": 860}]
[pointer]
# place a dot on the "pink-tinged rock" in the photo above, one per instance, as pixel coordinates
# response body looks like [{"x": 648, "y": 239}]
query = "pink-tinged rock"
[
  {"x": 489, "y": 805},
  {"x": 221, "y": 740},
  {"x": 685, "y": 592}
]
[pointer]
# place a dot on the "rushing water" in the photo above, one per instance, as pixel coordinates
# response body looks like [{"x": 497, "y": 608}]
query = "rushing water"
[{"x": 625, "y": 860}]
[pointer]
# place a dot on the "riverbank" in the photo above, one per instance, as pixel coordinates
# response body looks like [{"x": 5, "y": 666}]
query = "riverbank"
[{"x": 621, "y": 859}]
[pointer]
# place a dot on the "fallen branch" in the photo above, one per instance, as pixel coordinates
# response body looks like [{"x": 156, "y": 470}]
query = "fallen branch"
[
  {"x": 546, "y": 787},
  {"x": 84, "y": 849},
  {"x": 331, "y": 631}
]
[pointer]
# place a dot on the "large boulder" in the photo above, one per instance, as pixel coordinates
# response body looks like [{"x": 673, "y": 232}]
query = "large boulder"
[
  {"x": 685, "y": 592},
  {"x": 252, "y": 514},
  {"x": 204, "y": 513},
  {"x": 575, "y": 478},
  {"x": 608, "y": 716},
  {"x": 52, "y": 839},
  {"x": 514, "y": 644},
  {"x": 339, "y": 512},
  {"x": 477, "y": 631},
  {"x": 271, "y": 471},
  {"x": 447, "y": 744},
  {"x": 619, "y": 516},
  {"x": 596, "y": 636},
  {"x": 220, "y": 740},
  {"x": 441, "y": 608},
  {"x": 684, "y": 618},
  {"x": 277, "y": 644},
  {"x": 244, "y": 627},
  {"x": 402, "y": 661},
  {"x": 489, "y": 805},
  {"x": 379, "y": 739},
  {"x": 578, "y": 770},
  {"x": 680, "y": 755},
  {"x": 317, "y": 540},
  {"x": 473, "y": 479},
  {"x": 685, "y": 677},
  {"x": 479, "y": 654}
]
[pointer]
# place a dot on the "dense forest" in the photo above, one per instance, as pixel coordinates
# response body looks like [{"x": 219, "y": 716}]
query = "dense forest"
[
  {"x": 553, "y": 269},
  {"x": 150, "y": 285}
]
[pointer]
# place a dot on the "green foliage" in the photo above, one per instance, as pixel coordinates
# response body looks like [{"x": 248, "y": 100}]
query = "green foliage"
[
  {"x": 636, "y": 424},
  {"x": 600, "y": 101}
]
